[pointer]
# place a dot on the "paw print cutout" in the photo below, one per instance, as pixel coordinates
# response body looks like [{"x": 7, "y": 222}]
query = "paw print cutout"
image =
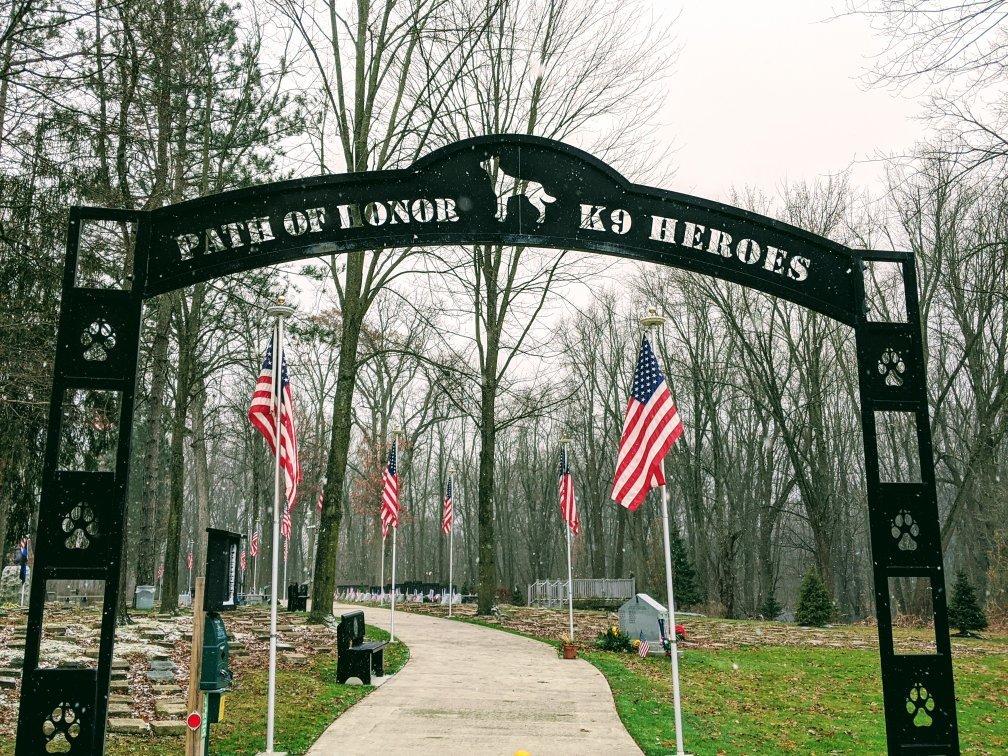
[
  {"x": 98, "y": 340},
  {"x": 61, "y": 729},
  {"x": 80, "y": 526},
  {"x": 905, "y": 530},
  {"x": 919, "y": 705},
  {"x": 892, "y": 367}
]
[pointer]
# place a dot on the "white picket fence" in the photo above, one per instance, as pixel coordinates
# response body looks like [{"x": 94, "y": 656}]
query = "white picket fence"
[{"x": 554, "y": 592}]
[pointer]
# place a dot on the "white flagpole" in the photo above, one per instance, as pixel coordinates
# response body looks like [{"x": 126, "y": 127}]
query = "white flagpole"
[
  {"x": 286, "y": 552},
  {"x": 392, "y": 621},
  {"x": 395, "y": 529},
  {"x": 381, "y": 588},
  {"x": 280, "y": 311},
  {"x": 255, "y": 563},
  {"x": 570, "y": 571},
  {"x": 652, "y": 322},
  {"x": 451, "y": 538}
]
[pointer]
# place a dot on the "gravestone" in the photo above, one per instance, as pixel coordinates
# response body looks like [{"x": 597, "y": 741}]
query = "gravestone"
[
  {"x": 640, "y": 615},
  {"x": 10, "y": 585}
]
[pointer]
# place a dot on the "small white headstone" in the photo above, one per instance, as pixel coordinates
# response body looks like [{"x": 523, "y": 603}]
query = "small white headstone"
[{"x": 640, "y": 615}]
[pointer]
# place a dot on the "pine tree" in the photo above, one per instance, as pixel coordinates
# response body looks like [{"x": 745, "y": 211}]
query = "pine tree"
[
  {"x": 684, "y": 578},
  {"x": 815, "y": 607},
  {"x": 769, "y": 607},
  {"x": 964, "y": 611}
]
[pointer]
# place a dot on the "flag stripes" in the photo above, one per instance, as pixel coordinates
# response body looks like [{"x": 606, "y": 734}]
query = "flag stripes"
[
  {"x": 448, "y": 515},
  {"x": 568, "y": 506},
  {"x": 390, "y": 493},
  {"x": 651, "y": 426},
  {"x": 262, "y": 416}
]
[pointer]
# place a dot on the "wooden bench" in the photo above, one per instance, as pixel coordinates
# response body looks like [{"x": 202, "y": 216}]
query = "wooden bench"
[{"x": 354, "y": 657}]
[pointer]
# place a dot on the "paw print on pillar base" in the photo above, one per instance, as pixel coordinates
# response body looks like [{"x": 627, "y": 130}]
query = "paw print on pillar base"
[
  {"x": 96, "y": 334},
  {"x": 98, "y": 340},
  {"x": 905, "y": 531},
  {"x": 892, "y": 368},
  {"x": 62, "y": 728},
  {"x": 920, "y": 706},
  {"x": 887, "y": 355},
  {"x": 78, "y": 523},
  {"x": 905, "y": 527}
]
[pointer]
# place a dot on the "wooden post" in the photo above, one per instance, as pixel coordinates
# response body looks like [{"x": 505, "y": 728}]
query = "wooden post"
[{"x": 194, "y": 739}]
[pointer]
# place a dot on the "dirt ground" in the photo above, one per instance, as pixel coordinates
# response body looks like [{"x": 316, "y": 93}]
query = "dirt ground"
[
  {"x": 71, "y": 636},
  {"x": 714, "y": 633}
]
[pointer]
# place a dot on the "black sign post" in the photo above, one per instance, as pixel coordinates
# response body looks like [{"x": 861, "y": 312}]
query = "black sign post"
[{"x": 510, "y": 190}]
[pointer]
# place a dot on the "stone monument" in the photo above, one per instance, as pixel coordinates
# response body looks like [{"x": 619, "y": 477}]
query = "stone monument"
[{"x": 640, "y": 614}]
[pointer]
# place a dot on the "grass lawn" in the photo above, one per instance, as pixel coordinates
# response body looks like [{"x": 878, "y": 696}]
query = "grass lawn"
[
  {"x": 785, "y": 699},
  {"x": 308, "y": 700}
]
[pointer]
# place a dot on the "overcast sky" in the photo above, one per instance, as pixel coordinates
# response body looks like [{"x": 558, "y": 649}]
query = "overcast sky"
[{"x": 774, "y": 91}]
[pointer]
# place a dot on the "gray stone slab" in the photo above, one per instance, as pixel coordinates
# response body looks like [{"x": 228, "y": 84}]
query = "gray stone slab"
[
  {"x": 160, "y": 675},
  {"x": 168, "y": 709},
  {"x": 8, "y": 682},
  {"x": 168, "y": 727},
  {"x": 125, "y": 726},
  {"x": 119, "y": 709},
  {"x": 163, "y": 664}
]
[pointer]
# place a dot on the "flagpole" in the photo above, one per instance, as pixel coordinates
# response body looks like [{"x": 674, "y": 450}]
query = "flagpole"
[
  {"x": 280, "y": 311},
  {"x": 570, "y": 571},
  {"x": 395, "y": 529},
  {"x": 381, "y": 589},
  {"x": 451, "y": 538},
  {"x": 652, "y": 322}
]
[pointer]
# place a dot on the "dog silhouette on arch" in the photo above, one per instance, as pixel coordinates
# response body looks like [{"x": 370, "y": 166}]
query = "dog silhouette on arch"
[{"x": 506, "y": 186}]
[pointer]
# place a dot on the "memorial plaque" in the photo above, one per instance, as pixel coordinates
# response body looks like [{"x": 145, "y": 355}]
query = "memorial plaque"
[{"x": 640, "y": 615}]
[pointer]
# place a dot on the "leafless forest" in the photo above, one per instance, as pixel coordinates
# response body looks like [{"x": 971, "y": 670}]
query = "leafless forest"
[{"x": 486, "y": 357}]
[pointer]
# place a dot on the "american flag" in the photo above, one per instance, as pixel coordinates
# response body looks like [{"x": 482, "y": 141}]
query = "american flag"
[
  {"x": 262, "y": 417},
  {"x": 189, "y": 561},
  {"x": 254, "y": 549},
  {"x": 285, "y": 524},
  {"x": 652, "y": 424},
  {"x": 390, "y": 493},
  {"x": 644, "y": 648},
  {"x": 448, "y": 517},
  {"x": 160, "y": 572},
  {"x": 318, "y": 504},
  {"x": 242, "y": 562},
  {"x": 568, "y": 507}
]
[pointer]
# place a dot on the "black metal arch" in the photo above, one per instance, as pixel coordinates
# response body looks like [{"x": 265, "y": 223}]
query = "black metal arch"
[{"x": 556, "y": 197}]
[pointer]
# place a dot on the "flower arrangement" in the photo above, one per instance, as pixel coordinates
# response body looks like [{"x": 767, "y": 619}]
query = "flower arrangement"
[{"x": 614, "y": 639}]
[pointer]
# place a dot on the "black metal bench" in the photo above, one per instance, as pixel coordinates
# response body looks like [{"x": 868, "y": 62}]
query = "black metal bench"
[
  {"x": 354, "y": 657},
  {"x": 297, "y": 597}
]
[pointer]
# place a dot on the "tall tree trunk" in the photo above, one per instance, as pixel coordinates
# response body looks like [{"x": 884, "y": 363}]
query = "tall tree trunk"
[
  {"x": 147, "y": 546},
  {"x": 201, "y": 478},
  {"x": 324, "y": 582},
  {"x": 176, "y": 468},
  {"x": 487, "y": 566}
]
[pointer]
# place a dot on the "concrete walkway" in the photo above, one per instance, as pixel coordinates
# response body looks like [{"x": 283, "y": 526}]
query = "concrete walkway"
[{"x": 474, "y": 690}]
